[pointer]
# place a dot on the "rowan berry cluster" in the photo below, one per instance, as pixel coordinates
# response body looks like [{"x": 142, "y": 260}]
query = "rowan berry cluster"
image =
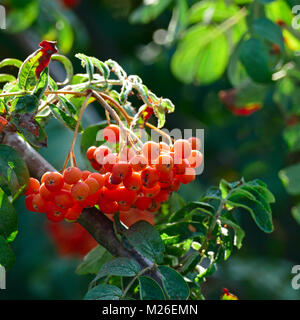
[{"x": 126, "y": 180}]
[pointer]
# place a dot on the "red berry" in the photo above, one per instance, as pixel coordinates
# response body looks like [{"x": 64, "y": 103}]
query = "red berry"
[
  {"x": 85, "y": 174},
  {"x": 162, "y": 196},
  {"x": 111, "y": 182},
  {"x": 138, "y": 163},
  {"x": 149, "y": 177},
  {"x": 195, "y": 143},
  {"x": 80, "y": 191},
  {"x": 175, "y": 185},
  {"x": 33, "y": 186},
  {"x": 63, "y": 199},
  {"x": 109, "y": 161},
  {"x": 90, "y": 153},
  {"x": 164, "y": 163},
  {"x": 125, "y": 196},
  {"x": 111, "y": 133},
  {"x": 151, "y": 151},
  {"x": 45, "y": 193},
  {"x": 38, "y": 203},
  {"x": 187, "y": 177},
  {"x": 95, "y": 165},
  {"x": 151, "y": 192},
  {"x": 28, "y": 203},
  {"x": 154, "y": 206},
  {"x": 180, "y": 168},
  {"x": 121, "y": 170},
  {"x": 100, "y": 153},
  {"x": 73, "y": 213},
  {"x": 133, "y": 182},
  {"x": 72, "y": 175},
  {"x": 99, "y": 177},
  {"x": 92, "y": 184},
  {"x": 55, "y": 213},
  {"x": 142, "y": 202},
  {"x": 108, "y": 207},
  {"x": 54, "y": 181},
  {"x": 182, "y": 149}
]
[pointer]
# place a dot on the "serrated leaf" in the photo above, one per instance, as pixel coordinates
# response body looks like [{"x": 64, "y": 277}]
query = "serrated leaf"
[
  {"x": 64, "y": 118},
  {"x": 145, "y": 238},
  {"x": 104, "y": 292},
  {"x": 93, "y": 261},
  {"x": 174, "y": 284},
  {"x": 149, "y": 289}
]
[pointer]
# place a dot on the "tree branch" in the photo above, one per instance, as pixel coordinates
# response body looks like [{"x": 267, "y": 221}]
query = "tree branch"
[{"x": 96, "y": 223}]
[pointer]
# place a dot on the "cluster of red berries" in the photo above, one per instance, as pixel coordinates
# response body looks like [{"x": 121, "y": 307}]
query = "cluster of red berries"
[{"x": 124, "y": 180}]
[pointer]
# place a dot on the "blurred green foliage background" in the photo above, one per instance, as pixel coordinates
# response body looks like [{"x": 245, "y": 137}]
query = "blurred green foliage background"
[{"x": 250, "y": 146}]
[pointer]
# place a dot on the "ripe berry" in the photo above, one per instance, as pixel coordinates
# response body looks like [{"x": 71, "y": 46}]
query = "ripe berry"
[
  {"x": 33, "y": 187},
  {"x": 164, "y": 163},
  {"x": 38, "y": 203},
  {"x": 109, "y": 161},
  {"x": 182, "y": 149},
  {"x": 73, "y": 213},
  {"x": 125, "y": 196},
  {"x": 151, "y": 192},
  {"x": 45, "y": 193},
  {"x": 100, "y": 153},
  {"x": 90, "y": 153},
  {"x": 150, "y": 151},
  {"x": 91, "y": 200},
  {"x": 165, "y": 177},
  {"x": 28, "y": 203},
  {"x": 54, "y": 181},
  {"x": 45, "y": 175},
  {"x": 138, "y": 163},
  {"x": 99, "y": 177},
  {"x": 111, "y": 133},
  {"x": 134, "y": 215},
  {"x": 149, "y": 177},
  {"x": 72, "y": 175},
  {"x": 175, "y": 185},
  {"x": 111, "y": 182},
  {"x": 154, "y": 206},
  {"x": 195, "y": 143},
  {"x": 55, "y": 213},
  {"x": 195, "y": 159},
  {"x": 121, "y": 170},
  {"x": 162, "y": 196},
  {"x": 133, "y": 182},
  {"x": 63, "y": 199},
  {"x": 92, "y": 184},
  {"x": 180, "y": 168},
  {"x": 85, "y": 174},
  {"x": 187, "y": 177},
  {"x": 95, "y": 165},
  {"x": 142, "y": 202},
  {"x": 80, "y": 191},
  {"x": 108, "y": 207}
]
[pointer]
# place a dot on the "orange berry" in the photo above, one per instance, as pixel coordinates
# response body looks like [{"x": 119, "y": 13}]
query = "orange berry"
[
  {"x": 111, "y": 182},
  {"x": 142, "y": 202},
  {"x": 72, "y": 175},
  {"x": 92, "y": 184},
  {"x": 90, "y": 153},
  {"x": 45, "y": 193},
  {"x": 180, "y": 168},
  {"x": 85, "y": 174},
  {"x": 195, "y": 143},
  {"x": 125, "y": 196},
  {"x": 38, "y": 203},
  {"x": 133, "y": 182},
  {"x": 109, "y": 161},
  {"x": 149, "y": 177},
  {"x": 63, "y": 199},
  {"x": 175, "y": 185},
  {"x": 33, "y": 187},
  {"x": 162, "y": 196},
  {"x": 73, "y": 213},
  {"x": 195, "y": 159},
  {"x": 150, "y": 150},
  {"x": 54, "y": 181},
  {"x": 187, "y": 177},
  {"x": 99, "y": 177},
  {"x": 108, "y": 207},
  {"x": 55, "y": 213},
  {"x": 28, "y": 203},
  {"x": 80, "y": 191},
  {"x": 111, "y": 133},
  {"x": 154, "y": 206},
  {"x": 138, "y": 163},
  {"x": 121, "y": 170},
  {"x": 182, "y": 149},
  {"x": 100, "y": 153},
  {"x": 95, "y": 165},
  {"x": 151, "y": 192},
  {"x": 164, "y": 163},
  {"x": 45, "y": 175}
]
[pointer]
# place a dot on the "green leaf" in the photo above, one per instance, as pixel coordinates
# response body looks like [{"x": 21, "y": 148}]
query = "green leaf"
[
  {"x": 7, "y": 77},
  {"x": 147, "y": 13},
  {"x": 68, "y": 105},
  {"x": 42, "y": 84},
  {"x": 26, "y": 104},
  {"x": 149, "y": 289},
  {"x": 8, "y": 217},
  {"x": 194, "y": 59},
  {"x": 11, "y": 62},
  {"x": 87, "y": 63},
  {"x": 93, "y": 261},
  {"x": 174, "y": 284},
  {"x": 123, "y": 267},
  {"x": 260, "y": 215},
  {"x": 291, "y": 135},
  {"x": 190, "y": 263},
  {"x": 239, "y": 233},
  {"x": 14, "y": 175},
  {"x": 7, "y": 257},
  {"x": 254, "y": 57},
  {"x": 64, "y": 118},
  {"x": 67, "y": 65},
  {"x": 201, "y": 206},
  {"x": 269, "y": 31},
  {"x": 290, "y": 178},
  {"x": 296, "y": 213},
  {"x": 146, "y": 239},
  {"x": 104, "y": 292}
]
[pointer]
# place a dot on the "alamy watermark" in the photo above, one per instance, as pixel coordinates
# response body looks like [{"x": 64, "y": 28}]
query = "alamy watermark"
[
  {"x": 296, "y": 279},
  {"x": 296, "y": 19},
  {"x": 2, "y": 278},
  {"x": 2, "y": 17}
]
